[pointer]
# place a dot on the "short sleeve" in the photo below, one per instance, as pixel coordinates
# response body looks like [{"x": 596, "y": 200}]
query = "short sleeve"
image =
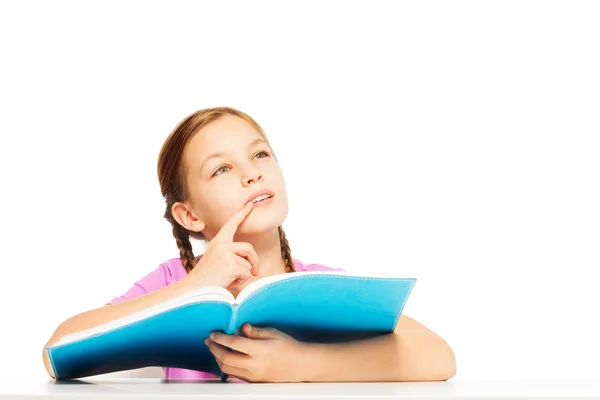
[
  {"x": 157, "y": 279},
  {"x": 320, "y": 267}
]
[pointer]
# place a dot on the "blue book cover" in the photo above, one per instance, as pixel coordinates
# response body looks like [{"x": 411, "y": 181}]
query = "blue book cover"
[{"x": 317, "y": 306}]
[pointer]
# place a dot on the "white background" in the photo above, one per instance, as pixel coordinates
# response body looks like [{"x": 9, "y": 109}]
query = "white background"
[{"x": 454, "y": 142}]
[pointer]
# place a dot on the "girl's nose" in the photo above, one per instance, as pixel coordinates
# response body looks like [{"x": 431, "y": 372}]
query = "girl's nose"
[{"x": 253, "y": 177}]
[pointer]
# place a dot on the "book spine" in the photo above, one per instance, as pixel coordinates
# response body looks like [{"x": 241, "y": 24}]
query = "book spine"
[
  {"x": 233, "y": 320},
  {"x": 230, "y": 331}
]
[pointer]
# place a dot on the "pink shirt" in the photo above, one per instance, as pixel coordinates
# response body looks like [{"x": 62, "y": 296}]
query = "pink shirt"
[{"x": 173, "y": 270}]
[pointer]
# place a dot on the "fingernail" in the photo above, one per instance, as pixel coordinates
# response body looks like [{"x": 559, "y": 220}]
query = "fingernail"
[
  {"x": 206, "y": 341},
  {"x": 212, "y": 336}
]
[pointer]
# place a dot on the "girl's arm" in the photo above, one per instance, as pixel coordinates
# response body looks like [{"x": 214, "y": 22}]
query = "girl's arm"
[
  {"x": 98, "y": 316},
  {"x": 411, "y": 353}
]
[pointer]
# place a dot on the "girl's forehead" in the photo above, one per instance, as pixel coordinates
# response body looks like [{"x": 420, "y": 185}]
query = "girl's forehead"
[
  {"x": 226, "y": 132},
  {"x": 229, "y": 124},
  {"x": 203, "y": 144}
]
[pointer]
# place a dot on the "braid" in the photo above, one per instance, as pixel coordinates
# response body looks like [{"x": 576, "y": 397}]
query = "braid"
[
  {"x": 182, "y": 237},
  {"x": 286, "y": 252}
]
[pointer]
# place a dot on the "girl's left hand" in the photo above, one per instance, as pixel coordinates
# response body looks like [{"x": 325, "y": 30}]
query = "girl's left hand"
[{"x": 263, "y": 355}]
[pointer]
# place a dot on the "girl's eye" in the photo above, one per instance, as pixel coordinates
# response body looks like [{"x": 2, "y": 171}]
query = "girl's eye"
[
  {"x": 266, "y": 153},
  {"x": 220, "y": 168}
]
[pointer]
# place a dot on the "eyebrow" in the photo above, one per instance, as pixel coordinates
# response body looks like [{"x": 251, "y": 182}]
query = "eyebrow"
[{"x": 221, "y": 154}]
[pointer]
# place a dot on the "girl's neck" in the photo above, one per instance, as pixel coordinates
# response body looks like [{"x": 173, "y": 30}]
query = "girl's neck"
[{"x": 268, "y": 250}]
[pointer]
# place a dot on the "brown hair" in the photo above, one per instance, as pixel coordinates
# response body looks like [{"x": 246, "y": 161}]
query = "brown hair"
[{"x": 171, "y": 177}]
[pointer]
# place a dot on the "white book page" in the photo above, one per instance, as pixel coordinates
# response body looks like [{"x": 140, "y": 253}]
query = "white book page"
[
  {"x": 213, "y": 293},
  {"x": 256, "y": 285}
]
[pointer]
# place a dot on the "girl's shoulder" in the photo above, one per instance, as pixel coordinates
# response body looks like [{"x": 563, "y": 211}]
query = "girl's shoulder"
[
  {"x": 301, "y": 267},
  {"x": 175, "y": 268}
]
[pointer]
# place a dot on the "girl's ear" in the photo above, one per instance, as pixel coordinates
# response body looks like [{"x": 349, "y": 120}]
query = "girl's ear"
[{"x": 186, "y": 217}]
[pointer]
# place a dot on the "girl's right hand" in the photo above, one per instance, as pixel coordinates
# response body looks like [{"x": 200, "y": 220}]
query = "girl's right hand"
[{"x": 226, "y": 263}]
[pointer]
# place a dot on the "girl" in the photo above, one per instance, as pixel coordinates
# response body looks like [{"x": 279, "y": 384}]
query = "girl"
[{"x": 222, "y": 184}]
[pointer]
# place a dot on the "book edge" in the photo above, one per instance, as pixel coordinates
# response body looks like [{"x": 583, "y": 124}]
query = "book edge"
[
  {"x": 401, "y": 309},
  {"x": 328, "y": 274},
  {"x": 99, "y": 333}
]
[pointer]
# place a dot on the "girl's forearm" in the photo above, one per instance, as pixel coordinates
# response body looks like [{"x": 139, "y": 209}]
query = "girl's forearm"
[{"x": 412, "y": 355}]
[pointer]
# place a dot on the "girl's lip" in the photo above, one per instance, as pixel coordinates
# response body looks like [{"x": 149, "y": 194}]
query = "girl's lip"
[
  {"x": 263, "y": 202},
  {"x": 260, "y": 192}
]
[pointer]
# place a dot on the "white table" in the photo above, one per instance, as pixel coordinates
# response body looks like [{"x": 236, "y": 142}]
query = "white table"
[{"x": 156, "y": 388}]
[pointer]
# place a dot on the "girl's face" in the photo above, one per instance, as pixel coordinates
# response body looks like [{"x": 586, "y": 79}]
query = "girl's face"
[{"x": 226, "y": 163}]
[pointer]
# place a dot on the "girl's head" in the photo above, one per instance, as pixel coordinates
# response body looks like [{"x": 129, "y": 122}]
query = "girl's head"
[{"x": 208, "y": 168}]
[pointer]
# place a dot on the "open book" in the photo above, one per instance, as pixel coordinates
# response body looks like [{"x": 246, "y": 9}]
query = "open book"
[{"x": 312, "y": 306}]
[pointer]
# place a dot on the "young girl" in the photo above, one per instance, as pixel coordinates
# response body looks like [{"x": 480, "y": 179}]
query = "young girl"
[{"x": 222, "y": 184}]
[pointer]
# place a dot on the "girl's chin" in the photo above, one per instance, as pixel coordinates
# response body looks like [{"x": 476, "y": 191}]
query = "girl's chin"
[
  {"x": 257, "y": 230},
  {"x": 259, "y": 226}
]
